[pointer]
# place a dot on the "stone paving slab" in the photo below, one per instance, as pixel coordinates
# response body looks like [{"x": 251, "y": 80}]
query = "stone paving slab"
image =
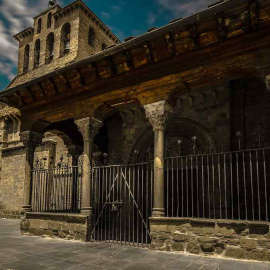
[{"x": 34, "y": 253}]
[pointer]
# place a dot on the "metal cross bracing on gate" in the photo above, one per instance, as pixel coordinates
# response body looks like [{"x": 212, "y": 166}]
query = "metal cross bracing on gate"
[{"x": 122, "y": 203}]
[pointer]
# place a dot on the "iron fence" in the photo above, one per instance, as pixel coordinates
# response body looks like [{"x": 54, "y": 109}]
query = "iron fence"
[
  {"x": 233, "y": 185},
  {"x": 57, "y": 190},
  {"x": 122, "y": 203}
]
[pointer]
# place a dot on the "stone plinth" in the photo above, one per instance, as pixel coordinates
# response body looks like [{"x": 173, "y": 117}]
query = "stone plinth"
[
  {"x": 225, "y": 238},
  {"x": 65, "y": 226}
]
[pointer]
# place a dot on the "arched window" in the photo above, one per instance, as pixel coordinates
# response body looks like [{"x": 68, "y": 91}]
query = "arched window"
[
  {"x": 37, "y": 54},
  {"x": 26, "y": 58},
  {"x": 103, "y": 46},
  {"x": 49, "y": 20},
  {"x": 91, "y": 36},
  {"x": 39, "y": 25},
  {"x": 49, "y": 47},
  {"x": 9, "y": 126},
  {"x": 65, "y": 39}
]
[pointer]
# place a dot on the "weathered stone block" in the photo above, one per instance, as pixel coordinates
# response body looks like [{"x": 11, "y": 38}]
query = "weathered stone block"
[
  {"x": 61, "y": 234},
  {"x": 257, "y": 254},
  {"x": 224, "y": 232},
  {"x": 220, "y": 247},
  {"x": 230, "y": 241},
  {"x": 180, "y": 237},
  {"x": 158, "y": 228},
  {"x": 156, "y": 244},
  {"x": 261, "y": 229},
  {"x": 163, "y": 235},
  {"x": 81, "y": 228},
  {"x": 237, "y": 227},
  {"x": 167, "y": 245},
  {"x": 265, "y": 243},
  {"x": 193, "y": 247},
  {"x": 177, "y": 246},
  {"x": 248, "y": 244},
  {"x": 207, "y": 240},
  {"x": 237, "y": 253},
  {"x": 184, "y": 228},
  {"x": 207, "y": 247}
]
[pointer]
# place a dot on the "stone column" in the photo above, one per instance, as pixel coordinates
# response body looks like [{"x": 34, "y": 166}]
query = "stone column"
[
  {"x": 75, "y": 151},
  {"x": 158, "y": 113},
  {"x": 89, "y": 128},
  {"x": 31, "y": 141}
]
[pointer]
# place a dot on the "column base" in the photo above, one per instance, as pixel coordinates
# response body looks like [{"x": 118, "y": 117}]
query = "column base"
[
  {"x": 86, "y": 211},
  {"x": 26, "y": 209},
  {"x": 158, "y": 212}
]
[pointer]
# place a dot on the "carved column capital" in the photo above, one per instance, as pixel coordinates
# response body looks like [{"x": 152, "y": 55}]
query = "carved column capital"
[
  {"x": 158, "y": 113},
  {"x": 31, "y": 140},
  {"x": 88, "y": 127}
]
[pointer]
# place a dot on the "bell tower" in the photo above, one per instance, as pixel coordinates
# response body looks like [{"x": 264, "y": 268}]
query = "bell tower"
[{"x": 60, "y": 36}]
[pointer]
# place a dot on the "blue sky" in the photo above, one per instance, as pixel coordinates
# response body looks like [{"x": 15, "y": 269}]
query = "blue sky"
[{"x": 125, "y": 18}]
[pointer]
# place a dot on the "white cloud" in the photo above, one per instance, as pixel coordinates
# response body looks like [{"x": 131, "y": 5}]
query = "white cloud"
[
  {"x": 105, "y": 15},
  {"x": 118, "y": 32},
  {"x": 15, "y": 16},
  {"x": 151, "y": 19},
  {"x": 185, "y": 7},
  {"x": 116, "y": 9}
]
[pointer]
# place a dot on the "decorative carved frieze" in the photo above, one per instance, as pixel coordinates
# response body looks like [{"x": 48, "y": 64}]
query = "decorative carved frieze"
[
  {"x": 158, "y": 113},
  {"x": 88, "y": 127},
  {"x": 31, "y": 140}
]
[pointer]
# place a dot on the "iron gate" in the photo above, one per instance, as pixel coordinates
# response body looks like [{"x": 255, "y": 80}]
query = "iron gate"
[
  {"x": 122, "y": 203},
  {"x": 56, "y": 190}
]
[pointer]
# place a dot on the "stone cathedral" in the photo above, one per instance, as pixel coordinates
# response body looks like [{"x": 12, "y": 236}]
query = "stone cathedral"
[{"x": 159, "y": 141}]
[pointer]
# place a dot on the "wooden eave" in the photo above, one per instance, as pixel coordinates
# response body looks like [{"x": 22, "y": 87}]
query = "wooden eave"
[{"x": 202, "y": 48}]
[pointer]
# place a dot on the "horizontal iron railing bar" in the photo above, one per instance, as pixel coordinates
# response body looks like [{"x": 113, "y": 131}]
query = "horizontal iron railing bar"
[
  {"x": 122, "y": 165},
  {"x": 56, "y": 168},
  {"x": 220, "y": 153}
]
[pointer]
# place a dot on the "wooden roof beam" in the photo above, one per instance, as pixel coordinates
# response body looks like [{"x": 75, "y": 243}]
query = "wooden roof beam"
[
  {"x": 20, "y": 98},
  {"x": 149, "y": 54},
  {"x": 171, "y": 46},
  {"x": 39, "y": 85},
  {"x": 112, "y": 66},
  {"x": 195, "y": 36},
  {"x": 129, "y": 60},
  {"x": 254, "y": 13},
  {"x": 82, "y": 80},
  {"x": 28, "y": 89},
  {"x": 54, "y": 86}
]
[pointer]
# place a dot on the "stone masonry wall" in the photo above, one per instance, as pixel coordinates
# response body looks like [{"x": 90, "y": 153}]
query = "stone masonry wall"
[
  {"x": 12, "y": 171},
  {"x": 65, "y": 226},
  {"x": 11, "y": 182},
  {"x": 233, "y": 239}
]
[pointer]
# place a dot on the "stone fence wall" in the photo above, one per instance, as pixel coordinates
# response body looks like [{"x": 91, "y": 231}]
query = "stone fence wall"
[
  {"x": 65, "y": 226},
  {"x": 225, "y": 238}
]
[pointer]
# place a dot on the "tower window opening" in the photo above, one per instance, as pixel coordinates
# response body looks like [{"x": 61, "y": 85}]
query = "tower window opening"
[
  {"x": 49, "y": 20},
  {"x": 65, "y": 39},
  {"x": 91, "y": 36},
  {"x": 37, "y": 54},
  {"x": 39, "y": 25},
  {"x": 26, "y": 58},
  {"x": 103, "y": 46},
  {"x": 49, "y": 48}
]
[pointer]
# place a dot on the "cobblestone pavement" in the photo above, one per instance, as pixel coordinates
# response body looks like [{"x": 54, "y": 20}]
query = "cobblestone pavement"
[{"x": 34, "y": 253}]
